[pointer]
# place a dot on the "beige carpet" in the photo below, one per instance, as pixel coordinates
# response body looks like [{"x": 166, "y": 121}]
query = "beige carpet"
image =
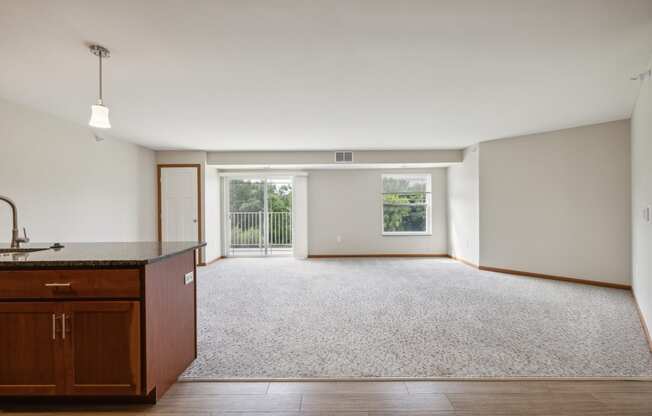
[{"x": 337, "y": 318}]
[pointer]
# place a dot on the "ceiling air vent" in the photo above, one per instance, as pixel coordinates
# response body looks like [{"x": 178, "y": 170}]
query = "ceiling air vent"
[{"x": 343, "y": 157}]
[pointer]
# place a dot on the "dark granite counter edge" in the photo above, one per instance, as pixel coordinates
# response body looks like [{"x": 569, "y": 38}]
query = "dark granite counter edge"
[
  {"x": 95, "y": 264},
  {"x": 163, "y": 257}
]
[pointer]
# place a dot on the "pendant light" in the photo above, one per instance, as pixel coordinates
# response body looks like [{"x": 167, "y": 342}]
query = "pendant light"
[{"x": 99, "y": 112}]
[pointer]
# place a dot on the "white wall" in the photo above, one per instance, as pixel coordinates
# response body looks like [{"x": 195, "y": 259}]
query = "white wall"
[
  {"x": 641, "y": 198},
  {"x": 67, "y": 186},
  {"x": 212, "y": 209},
  {"x": 347, "y": 203},
  {"x": 300, "y": 216},
  {"x": 558, "y": 203},
  {"x": 464, "y": 209}
]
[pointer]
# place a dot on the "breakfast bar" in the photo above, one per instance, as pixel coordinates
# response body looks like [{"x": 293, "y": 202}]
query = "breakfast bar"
[{"x": 96, "y": 319}]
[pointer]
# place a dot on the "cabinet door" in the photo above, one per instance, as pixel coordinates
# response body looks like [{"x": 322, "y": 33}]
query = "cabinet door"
[
  {"x": 31, "y": 351},
  {"x": 102, "y": 347}
]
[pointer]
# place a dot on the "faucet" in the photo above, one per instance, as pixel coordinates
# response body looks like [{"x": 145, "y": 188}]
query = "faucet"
[{"x": 15, "y": 238}]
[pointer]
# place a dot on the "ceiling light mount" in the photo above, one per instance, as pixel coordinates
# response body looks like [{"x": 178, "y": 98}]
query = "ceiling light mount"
[
  {"x": 642, "y": 76},
  {"x": 100, "y": 51}
]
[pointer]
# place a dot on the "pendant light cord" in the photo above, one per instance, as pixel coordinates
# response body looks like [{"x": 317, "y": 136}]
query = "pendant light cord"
[{"x": 100, "y": 56}]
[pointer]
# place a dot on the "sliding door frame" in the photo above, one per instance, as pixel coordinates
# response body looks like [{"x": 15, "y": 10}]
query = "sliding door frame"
[{"x": 264, "y": 177}]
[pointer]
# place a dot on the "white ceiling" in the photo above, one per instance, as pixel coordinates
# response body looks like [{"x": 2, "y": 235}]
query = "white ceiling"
[{"x": 350, "y": 74}]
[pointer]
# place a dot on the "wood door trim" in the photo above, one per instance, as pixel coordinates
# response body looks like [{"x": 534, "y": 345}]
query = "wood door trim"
[{"x": 159, "y": 203}]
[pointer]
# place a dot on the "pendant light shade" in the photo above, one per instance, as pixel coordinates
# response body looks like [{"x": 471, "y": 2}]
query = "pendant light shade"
[
  {"x": 100, "y": 112},
  {"x": 99, "y": 117}
]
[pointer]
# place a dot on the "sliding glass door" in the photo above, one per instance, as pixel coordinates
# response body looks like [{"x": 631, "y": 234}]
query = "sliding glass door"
[{"x": 259, "y": 216}]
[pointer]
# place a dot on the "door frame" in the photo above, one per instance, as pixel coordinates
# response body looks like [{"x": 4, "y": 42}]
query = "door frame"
[{"x": 161, "y": 166}]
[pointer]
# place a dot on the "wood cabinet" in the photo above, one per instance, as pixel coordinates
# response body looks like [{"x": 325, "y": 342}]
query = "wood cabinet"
[
  {"x": 101, "y": 347},
  {"x": 97, "y": 332},
  {"x": 71, "y": 348},
  {"x": 31, "y": 358},
  {"x": 70, "y": 284}
]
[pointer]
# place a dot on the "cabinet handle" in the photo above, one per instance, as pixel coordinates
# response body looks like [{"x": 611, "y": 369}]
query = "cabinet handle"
[
  {"x": 58, "y": 284},
  {"x": 54, "y": 327},
  {"x": 66, "y": 324}
]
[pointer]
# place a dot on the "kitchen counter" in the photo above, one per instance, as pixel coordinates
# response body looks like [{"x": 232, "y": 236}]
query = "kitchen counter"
[
  {"x": 109, "y": 321},
  {"x": 84, "y": 255}
]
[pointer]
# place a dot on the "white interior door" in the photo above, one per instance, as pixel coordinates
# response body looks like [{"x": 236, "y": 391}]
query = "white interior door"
[{"x": 179, "y": 203}]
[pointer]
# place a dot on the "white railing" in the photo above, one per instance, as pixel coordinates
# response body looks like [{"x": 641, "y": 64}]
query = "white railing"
[{"x": 255, "y": 230}]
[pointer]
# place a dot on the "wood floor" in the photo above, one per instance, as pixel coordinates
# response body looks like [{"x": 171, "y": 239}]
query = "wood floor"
[{"x": 414, "y": 398}]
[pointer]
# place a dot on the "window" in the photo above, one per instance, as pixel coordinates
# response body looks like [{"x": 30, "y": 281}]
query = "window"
[{"x": 406, "y": 204}]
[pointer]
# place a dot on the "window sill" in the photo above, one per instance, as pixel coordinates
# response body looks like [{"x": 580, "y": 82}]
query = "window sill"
[{"x": 425, "y": 233}]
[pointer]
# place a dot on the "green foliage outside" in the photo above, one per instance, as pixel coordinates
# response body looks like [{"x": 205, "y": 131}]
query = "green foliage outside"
[
  {"x": 248, "y": 196},
  {"x": 404, "y": 205},
  {"x": 400, "y": 215}
]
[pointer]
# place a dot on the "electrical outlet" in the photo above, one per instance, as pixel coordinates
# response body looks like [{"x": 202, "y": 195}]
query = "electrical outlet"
[
  {"x": 339, "y": 238},
  {"x": 647, "y": 214},
  {"x": 188, "y": 278}
]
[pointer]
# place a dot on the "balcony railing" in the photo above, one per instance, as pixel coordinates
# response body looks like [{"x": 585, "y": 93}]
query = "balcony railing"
[{"x": 257, "y": 230}]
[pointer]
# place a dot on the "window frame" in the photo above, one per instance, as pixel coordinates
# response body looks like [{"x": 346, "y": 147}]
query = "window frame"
[{"x": 428, "y": 193}]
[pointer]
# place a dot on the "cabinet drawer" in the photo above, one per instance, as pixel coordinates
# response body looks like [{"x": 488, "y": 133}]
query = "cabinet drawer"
[{"x": 70, "y": 284}]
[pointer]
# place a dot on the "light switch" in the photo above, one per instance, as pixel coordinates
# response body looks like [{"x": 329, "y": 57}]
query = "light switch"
[
  {"x": 188, "y": 278},
  {"x": 647, "y": 214}
]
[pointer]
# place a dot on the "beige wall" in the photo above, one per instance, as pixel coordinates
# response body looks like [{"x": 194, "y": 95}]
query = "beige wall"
[
  {"x": 641, "y": 198},
  {"x": 464, "y": 208},
  {"x": 558, "y": 203},
  {"x": 68, "y": 186},
  {"x": 347, "y": 203}
]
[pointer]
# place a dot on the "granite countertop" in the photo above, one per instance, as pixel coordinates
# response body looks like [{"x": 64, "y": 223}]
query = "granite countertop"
[{"x": 95, "y": 255}]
